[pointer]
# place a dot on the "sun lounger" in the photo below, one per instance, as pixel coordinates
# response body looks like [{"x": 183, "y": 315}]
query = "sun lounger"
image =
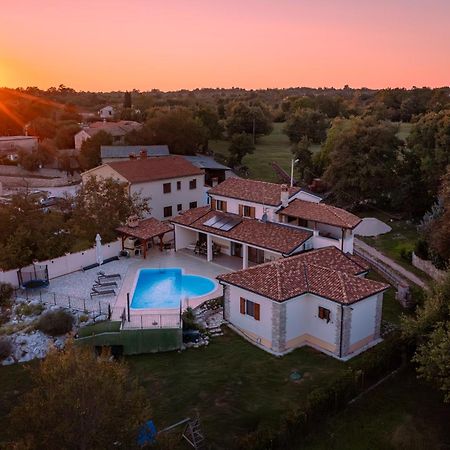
[
  {"x": 96, "y": 292},
  {"x": 104, "y": 275},
  {"x": 100, "y": 283}
]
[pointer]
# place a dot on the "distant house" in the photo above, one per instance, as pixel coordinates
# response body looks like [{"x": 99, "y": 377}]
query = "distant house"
[
  {"x": 107, "y": 112},
  {"x": 116, "y": 129},
  {"x": 111, "y": 153},
  {"x": 215, "y": 172},
  {"x": 172, "y": 183},
  {"x": 11, "y": 145}
]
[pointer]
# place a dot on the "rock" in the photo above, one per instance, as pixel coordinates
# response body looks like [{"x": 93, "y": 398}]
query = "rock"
[{"x": 8, "y": 361}]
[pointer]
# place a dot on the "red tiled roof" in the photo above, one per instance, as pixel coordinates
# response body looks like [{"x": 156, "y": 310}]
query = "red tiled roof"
[
  {"x": 326, "y": 272},
  {"x": 252, "y": 191},
  {"x": 152, "y": 169},
  {"x": 271, "y": 236},
  {"x": 146, "y": 229},
  {"x": 117, "y": 129},
  {"x": 321, "y": 212}
]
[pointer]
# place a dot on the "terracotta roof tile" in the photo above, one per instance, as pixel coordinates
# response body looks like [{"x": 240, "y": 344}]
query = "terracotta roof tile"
[
  {"x": 321, "y": 212},
  {"x": 268, "y": 235},
  {"x": 326, "y": 272},
  {"x": 252, "y": 191},
  {"x": 146, "y": 229},
  {"x": 152, "y": 169}
]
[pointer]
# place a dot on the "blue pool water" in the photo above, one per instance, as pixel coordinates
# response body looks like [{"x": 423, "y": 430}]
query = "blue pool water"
[{"x": 165, "y": 288}]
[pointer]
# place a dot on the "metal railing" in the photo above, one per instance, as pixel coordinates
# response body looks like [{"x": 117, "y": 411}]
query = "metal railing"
[{"x": 151, "y": 321}]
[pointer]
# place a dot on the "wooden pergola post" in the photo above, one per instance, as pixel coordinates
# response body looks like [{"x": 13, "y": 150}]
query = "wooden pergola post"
[{"x": 144, "y": 243}]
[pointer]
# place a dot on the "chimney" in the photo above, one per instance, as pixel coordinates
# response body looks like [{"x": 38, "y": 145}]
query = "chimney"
[
  {"x": 143, "y": 154},
  {"x": 284, "y": 195}
]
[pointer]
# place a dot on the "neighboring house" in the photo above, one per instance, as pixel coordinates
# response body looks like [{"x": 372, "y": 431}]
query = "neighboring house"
[
  {"x": 292, "y": 206},
  {"x": 172, "y": 183},
  {"x": 11, "y": 145},
  {"x": 116, "y": 129},
  {"x": 318, "y": 298},
  {"x": 111, "y": 153},
  {"x": 215, "y": 172},
  {"x": 107, "y": 112}
]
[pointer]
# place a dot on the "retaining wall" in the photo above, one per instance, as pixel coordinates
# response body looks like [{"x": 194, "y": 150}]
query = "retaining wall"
[{"x": 428, "y": 267}]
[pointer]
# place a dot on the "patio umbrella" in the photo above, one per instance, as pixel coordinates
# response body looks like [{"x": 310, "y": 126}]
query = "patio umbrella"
[{"x": 98, "y": 250}]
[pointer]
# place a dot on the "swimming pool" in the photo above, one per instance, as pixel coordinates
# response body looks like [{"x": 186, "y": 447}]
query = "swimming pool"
[{"x": 165, "y": 288}]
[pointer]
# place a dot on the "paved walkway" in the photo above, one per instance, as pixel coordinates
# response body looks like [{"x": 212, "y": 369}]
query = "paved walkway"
[{"x": 367, "y": 249}]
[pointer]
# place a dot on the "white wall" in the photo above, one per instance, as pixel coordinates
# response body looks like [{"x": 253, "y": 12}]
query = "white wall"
[
  {"x": 184, "y": 237},
  {"x": 159, "y": 200},
  {"x": 307, "y": 197},
  {"x": 262, "y": 327},
  {"x": 79, "y": 138},
  {"x": 68, "y": 263},
  {"x": 363, "y": 319},
  {"x": 233, "y": 207}
]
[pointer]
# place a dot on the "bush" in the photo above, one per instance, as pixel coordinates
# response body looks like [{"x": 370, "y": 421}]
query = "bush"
[
  {"x": 189, "y": 320},
  {"x": 406, "y": 254},
  {"x": 421, "y": 249},
  {"x": 6, "y": 293},
  {"x": 55, "y": 323},
  {"x": 29, "y": 309},
  {"x": 5, "y": 347}
]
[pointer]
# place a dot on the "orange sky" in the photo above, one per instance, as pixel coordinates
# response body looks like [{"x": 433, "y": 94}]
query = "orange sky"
[{"x": 174, "y": 44}]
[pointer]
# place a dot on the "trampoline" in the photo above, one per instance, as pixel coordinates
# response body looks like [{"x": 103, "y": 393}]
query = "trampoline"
[{"x": 33, "y": 277}]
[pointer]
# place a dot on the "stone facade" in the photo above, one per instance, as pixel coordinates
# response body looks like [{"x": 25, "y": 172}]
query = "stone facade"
[
  {"x": 226, "y": 302},
  {"x": 378, "y": 314},
  {"x": 346, "y": 323},
  {"x": 278, "y": 327}
]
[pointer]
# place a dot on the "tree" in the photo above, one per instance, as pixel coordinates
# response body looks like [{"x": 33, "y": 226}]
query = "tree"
[
  {"x": 249, "y": 119},
  {"x": 64, "y": 137},
  {"x": 43, "y": 127},
  {"x": 80, "y": 402},
  {"x": 301, "y": 152},
  {"x": 429, "y": 329},
  {"x": 241, "y": 145},
  {"x": 127, "y": 100},
  {"x": 177, "y": 128},
  {"x": 102, "y": 205},
  {"x": 306, "y": 123},
  {"x": 362, "y": 155},
  {"x": 210, "y": 120},
  {"x": 90, "y": 149}
]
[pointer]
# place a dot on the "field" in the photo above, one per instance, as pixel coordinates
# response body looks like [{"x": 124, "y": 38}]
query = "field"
[{"x": 274, "y": 147}]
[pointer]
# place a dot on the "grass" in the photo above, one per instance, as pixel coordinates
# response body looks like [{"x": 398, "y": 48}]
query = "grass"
[
  {"x": 100, "y": 327},
  {"x": 402, "y": 413},
  {"x": 274, "y": 147}
]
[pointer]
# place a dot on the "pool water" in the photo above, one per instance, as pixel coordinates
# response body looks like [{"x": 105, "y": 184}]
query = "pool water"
[{"x": 165, "y": 288}]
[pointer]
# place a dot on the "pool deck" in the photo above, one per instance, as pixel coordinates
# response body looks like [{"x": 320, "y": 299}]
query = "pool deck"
[{"x": 190, "y": 263}]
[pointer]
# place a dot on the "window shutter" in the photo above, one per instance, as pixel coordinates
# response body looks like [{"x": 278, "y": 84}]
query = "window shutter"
[
  {"x": 224, "y": 207},
  {"x": 320, "y": 312},
  {"x": 242, "y": 305},
  {"x": 256, "y": 311},
  {"x": 213, "y": 203},
  {"x": 241, "y": 210},
  {"x": 252, "y": 212}
]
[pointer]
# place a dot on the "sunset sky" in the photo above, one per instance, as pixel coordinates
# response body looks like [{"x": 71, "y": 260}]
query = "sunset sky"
[{"x": 174, "y": 44}]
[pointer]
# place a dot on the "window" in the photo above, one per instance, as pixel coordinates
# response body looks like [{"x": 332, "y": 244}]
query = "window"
[
  {"x": 219, "y": 205},
  {"x": 250, "y": 308},
  {"x": 193, "y": 184},
  {"x": 179, "y": 207},
  {"x": 247, "y": 211},
  {"x": 167, "y": 211},
  {"x": 167, "y": 188},
  {"x": 324, "y": 314},
  {"x": 178, "y": 185},
  {"x": 192, "y": 205}
]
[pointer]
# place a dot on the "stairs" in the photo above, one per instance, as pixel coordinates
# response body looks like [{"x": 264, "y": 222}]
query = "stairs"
[{"x": 193, "y": 434}]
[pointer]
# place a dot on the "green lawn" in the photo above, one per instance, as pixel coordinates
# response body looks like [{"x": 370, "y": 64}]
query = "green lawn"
[
  {"x": 274, "y": 147},
  {"x": 403, "y": 413}
]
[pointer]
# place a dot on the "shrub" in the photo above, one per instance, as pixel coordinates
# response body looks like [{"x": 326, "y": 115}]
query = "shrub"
[
  {"x": 406, "y": 254},
  {"x": 55, "y": 323},
  {"x": 6, "y": 293},
  {"x": 29, "y": 309},
  {"x": 84, "y": 318},
  {"x": 189, "y": 320},
  {"x": 5, "y": 347},
  {"x": 421, "y": 249}
]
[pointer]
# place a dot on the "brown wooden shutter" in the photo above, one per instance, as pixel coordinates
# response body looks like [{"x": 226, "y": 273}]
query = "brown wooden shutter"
[
  {"x": 252, "y": 212},
  {"x": 241, "y": 210},
  {"x": 257, "y": 311},
  {"x": 242, "y": 309},
  {"x": 224, "y": 206},
  {"x": 213, "y": 203}
]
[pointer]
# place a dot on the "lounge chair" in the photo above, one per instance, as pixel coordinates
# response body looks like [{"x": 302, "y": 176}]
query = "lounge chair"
[
  {"x": 96, "y": 292},
  {"x": 100, "y": 283},
  {"x": 104, "y": 275}
]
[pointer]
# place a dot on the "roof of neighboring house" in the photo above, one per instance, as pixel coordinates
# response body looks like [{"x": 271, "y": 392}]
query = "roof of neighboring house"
[
  {"x": 252, "y": 191},
  {"x": 17, "y": 138},
  {"x": 146, "y": 229},
  {"x": 119, "y": 128},
  {"x": 321, "y": 212},
  {"x": 205, "y": 162},
  {"x": 153, "y": 169},
  {"x": 326, "y": 272},
  {"x": 124, "y": 151},
  {"x": 268, "y": 235}
]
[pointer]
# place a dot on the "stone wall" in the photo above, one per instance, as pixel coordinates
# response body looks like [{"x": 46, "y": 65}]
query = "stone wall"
[
  {"x": 278, "y": 327},
  {"x": 226, "y": 302},
  {"x": 428, "y": 267}
]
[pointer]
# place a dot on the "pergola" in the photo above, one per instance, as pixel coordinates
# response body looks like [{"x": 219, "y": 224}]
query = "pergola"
[{"x": 145, "y": 230}]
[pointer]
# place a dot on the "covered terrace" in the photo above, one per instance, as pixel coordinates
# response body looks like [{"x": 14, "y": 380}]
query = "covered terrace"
[{"x": 137, "y": 234}]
